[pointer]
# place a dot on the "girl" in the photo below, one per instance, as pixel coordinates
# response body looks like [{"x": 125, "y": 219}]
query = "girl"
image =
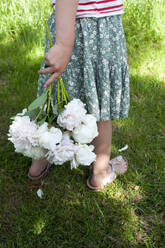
[{"x": 89, "y": 51}]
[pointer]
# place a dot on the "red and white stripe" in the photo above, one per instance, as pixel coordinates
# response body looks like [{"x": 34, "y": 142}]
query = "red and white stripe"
[{"x": 98, "y": 8}]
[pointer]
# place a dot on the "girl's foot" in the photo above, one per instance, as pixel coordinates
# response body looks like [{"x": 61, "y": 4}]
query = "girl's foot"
[
  {"x": 38, "y": 169},
  {"x": 117, "y": 165}
]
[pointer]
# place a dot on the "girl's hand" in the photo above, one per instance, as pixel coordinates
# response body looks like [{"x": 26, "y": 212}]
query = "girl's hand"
[{"x": 56, "y": 61}]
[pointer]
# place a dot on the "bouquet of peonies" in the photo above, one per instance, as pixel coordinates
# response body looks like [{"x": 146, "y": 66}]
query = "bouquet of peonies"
[
  {"x": 66, "y": 141},
  {"x": 59, "y": 132}
]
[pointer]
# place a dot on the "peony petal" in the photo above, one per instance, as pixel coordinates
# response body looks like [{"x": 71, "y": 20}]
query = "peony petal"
[
  {"x": 40, "y": 193},
  {"x": 74, "y": 164},
  {"x": 123, "y": 148}
]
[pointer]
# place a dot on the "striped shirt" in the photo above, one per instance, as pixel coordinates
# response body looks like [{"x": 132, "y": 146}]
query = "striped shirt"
[{"x": 98, "y": 8}]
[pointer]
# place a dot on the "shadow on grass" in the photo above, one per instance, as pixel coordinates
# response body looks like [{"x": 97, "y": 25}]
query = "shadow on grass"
[
  {"x": 67, "y": 216},
  {"x": 129, "y": 213}
]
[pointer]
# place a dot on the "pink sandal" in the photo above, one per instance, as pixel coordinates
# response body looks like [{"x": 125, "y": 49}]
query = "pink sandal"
[
  {"x": 119, "y": 166},
  {"x": 43, "y": 174}
]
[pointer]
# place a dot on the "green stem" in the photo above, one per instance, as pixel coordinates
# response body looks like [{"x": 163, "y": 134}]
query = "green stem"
[
  {"x": 62, "y": 92},
  {"x": 39, "y": 113},
  {"x": 49, "y": 102},
  {"x": 65, "y": 92},
  {"x": 49, "y": 35},
  {"x": 58, "y": 91}
]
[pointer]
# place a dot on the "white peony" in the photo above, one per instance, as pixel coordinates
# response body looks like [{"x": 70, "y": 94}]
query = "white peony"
[
  {"x": 72, "y": 115},
  {"x": 64, "y": 151},
  {"x": 35, "y": 152},
  {"x": 74, "y": 164},
  {"x": 22, "y": 133},
  {"x": 84, "y": 155},
  {"x": 36, "y": 141},
  {"x": 86, "y": 131},
  {"x": 50, "y": 138},
  {"x": 42, "y": 129}
]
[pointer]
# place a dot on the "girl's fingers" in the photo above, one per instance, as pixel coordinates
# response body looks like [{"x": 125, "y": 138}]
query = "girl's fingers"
[
  {"x": 48, "y": 70},
  {"x": 51, "y": 79}
]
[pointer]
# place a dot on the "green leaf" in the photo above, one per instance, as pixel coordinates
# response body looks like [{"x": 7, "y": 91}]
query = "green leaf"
[
  {"x": 42, "y": 121},
  {"x": 32, "y": 113},
  {"x": 39, "y": 101},
  {"x": 42, "y": 114},
  {"x": 52, "y": 118}
]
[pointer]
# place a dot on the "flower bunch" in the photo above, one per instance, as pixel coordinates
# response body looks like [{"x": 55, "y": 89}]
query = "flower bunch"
[
  {"x": 59, "y": 132},
  {"x": 67, "y": 141}
]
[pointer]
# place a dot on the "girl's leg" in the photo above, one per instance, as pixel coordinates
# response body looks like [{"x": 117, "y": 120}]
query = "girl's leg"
[
  {"x": 102, "y": 143},
  {"x": 37, "y": 167}
]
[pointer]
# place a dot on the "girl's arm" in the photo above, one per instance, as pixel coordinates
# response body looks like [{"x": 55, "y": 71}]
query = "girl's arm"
[
  {"x": 58, "y": 56},
  {"x": 65, "y": 21}
]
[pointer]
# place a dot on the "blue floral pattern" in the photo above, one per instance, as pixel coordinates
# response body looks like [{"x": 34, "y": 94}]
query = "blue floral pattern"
[{"x": 97, "y": 72}]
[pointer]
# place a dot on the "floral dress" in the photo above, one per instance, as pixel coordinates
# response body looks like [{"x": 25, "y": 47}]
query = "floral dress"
[{"x": 97, "y": 72}]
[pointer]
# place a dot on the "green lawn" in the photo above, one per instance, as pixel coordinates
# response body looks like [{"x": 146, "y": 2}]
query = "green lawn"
[{"x": 128, "y": 213}]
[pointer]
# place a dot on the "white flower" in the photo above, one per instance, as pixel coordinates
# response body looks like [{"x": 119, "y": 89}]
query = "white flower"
[
  {"x": 63, "y": 152},
  {"x": 34, "y": 152},
  {"x": 84, "y": 155},
  {"x": 50, "y": 138},
  {"x": 86, "y": 131},
  {"x": 74, "y": 163},
  {"x": 72, "y": 115},
  {"x": 42, "y": 129},
  {"x": 22, "y": 133}
]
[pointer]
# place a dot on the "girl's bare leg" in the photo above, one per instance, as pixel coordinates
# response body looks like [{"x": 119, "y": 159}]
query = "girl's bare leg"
[
  {"x": 37, "y": 167},
  {"x": 102, "y": 143}
]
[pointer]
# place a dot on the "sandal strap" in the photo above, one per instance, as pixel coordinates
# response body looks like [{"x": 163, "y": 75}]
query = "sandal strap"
[
  {"x": 112, "y": 177},
  {"x": 43, "y": 173}
]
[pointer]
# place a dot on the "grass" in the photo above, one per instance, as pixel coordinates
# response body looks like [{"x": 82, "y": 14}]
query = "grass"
[{"x": 130, "y": 212}]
